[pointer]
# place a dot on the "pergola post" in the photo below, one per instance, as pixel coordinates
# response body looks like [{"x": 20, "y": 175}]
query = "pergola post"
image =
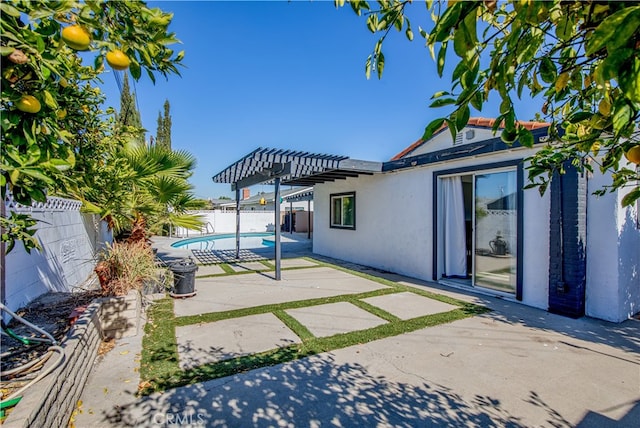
[
  {"x": 237, "y": 223},
  {"x": 276, "y": 206},
  {"x": 291, "y": 217},
  {"x": 309, "y": 219}
]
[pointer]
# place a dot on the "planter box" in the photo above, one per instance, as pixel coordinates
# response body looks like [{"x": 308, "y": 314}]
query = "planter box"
[
  {"x": 120, "y": 316},
  {"x": 50, "y": 402}
]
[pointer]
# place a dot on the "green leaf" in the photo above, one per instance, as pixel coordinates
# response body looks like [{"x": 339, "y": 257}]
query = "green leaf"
[
  {"x": 452, "y": 127},
  {"x": 525, "y": 137},
  {"x": 614, "y": 30},
  {"x": 9, "y": 10},
  {"x": 508, "y": 136},
  {"x": 367, "y": 67},
  {"x": 613, "y": 65},
  {"x": 440, "y": 102},
  {"x": 629, "y": 80},
  {"x": 34, "y": 154},
  {"x": 547, "y": 70},
  {"x": 440, "y": 94},
  {"x": 459, "y": 71},
  {"x": 6, "y": 50},
  {"x": 505, "y": 106},
  {"x": 441, "y": 58},
  {"x": 579, "y": 116},
  {"x": 621, "y": 116},
  {"x": 40, "y": 46},
  {"x": 372, "y": 23},
  {"x": 380, "y": 64},
  {"x": 631, "y": 197},
  {"x": 477, "y": 100},
  {"x": 134, "y": 69},
  {"x": 565, "y": 28},
  {"x": 448, "y": 19},
  {"x": 37, "y": 195},
  {"x": 462, "y": 117},
  {"x": 409, "y": 34},
  {"x": 49, "y": 100},
  {"x": 432, "y": 127}
]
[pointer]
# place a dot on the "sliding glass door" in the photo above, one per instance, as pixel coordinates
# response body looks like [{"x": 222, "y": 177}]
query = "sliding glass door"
[{"x": 495, "y": 231}]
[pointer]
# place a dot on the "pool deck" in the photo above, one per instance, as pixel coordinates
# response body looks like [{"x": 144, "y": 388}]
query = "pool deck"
[{"x": 293, "y": 245}]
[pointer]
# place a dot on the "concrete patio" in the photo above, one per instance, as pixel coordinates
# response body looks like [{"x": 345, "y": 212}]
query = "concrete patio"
[{"x": 515, "y": 366}]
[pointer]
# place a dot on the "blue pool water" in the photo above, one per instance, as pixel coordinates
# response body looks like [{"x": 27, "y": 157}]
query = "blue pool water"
[{"x": 225, "y": 242}]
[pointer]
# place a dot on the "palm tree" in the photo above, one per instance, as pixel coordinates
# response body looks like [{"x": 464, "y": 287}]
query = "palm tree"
[{"x": 142, "y": 189}]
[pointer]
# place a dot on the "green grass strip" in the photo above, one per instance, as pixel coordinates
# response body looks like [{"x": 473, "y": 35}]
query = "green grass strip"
[
  {"x": 159, "y": 347},
  {"x": 228, "y": 269},
  {"x": 380, "y": 313},
  {"x": 256, "y": 310},
  {"x": 300, "y": 330}
]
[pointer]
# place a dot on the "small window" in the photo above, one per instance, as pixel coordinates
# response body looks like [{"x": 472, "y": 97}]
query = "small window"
[{"x": 343, "y": 210}]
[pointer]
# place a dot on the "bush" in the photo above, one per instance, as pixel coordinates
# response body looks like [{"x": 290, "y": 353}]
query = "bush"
[{"x": 124, "y": 266}]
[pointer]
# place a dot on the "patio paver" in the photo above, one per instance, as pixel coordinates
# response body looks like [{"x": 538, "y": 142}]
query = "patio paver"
[
  {"x": 248, "y": 266},
  {"x": 209, "y": 270},
  {"x": 291, "y": 263},
  {"x": 231, "y": 292},
  {"x": 409, "y": 305},
  {"x": 200, "y": 344},
  {"x": 335, "y": 318}
]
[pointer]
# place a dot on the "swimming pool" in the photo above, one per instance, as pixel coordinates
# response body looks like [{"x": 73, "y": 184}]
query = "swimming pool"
[{"x": 225, "y": 242}]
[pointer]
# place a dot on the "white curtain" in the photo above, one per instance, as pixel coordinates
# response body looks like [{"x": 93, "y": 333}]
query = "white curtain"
[{"x": 454, "y": 235}]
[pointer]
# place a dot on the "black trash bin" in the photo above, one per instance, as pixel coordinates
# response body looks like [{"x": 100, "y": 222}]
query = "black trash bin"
[{"x": 184, "y": 278}]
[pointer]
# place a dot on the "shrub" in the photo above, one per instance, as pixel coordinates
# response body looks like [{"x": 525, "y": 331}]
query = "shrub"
[{"x": 124, "y": 266}]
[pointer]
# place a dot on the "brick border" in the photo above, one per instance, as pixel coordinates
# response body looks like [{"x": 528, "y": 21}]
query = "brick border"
[{"x": 50, "y": 402}]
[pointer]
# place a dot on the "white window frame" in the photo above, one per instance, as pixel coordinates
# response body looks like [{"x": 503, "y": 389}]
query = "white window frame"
[{"x": 341, "y": 196}]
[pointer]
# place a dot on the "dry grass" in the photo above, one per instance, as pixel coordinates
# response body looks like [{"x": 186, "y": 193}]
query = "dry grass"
[{"x": 124, "y": 266}]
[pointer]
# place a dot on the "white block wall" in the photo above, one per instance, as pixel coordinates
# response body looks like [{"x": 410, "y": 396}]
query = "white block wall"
[
  {"x": 225, "y": 222},
  {"x": 69, "y": 241}
]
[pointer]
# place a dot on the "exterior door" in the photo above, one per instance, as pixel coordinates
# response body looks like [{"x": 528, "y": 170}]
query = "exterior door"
[{"x": 495, "y": 231}]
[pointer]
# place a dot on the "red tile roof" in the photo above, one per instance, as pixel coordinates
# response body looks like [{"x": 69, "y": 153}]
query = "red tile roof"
[{"x": 478, "y": 122}]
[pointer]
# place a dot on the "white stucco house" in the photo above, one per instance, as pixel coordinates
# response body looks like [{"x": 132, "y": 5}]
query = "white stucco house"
[{"x": 455, "y": 212}]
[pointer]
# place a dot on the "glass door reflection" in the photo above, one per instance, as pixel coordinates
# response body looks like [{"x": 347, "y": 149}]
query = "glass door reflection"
[{"x": 495, "y": 237}]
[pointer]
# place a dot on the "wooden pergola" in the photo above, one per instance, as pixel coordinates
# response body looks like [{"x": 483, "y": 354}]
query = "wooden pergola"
[{"x": 289, "y": 167}]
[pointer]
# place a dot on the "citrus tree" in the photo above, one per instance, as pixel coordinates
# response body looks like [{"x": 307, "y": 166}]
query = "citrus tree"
[
  {"x": 53, "y": 53},
  {"x": 580, "y": 58}
]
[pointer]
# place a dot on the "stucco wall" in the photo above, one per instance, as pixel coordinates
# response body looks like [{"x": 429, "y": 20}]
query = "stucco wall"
[
  {"x": 69, "y": 241},
  {"x": 613, "y": 255},
  {"x": 394, "y": 216}
]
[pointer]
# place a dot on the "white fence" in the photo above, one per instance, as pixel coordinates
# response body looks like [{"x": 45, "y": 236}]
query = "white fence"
[
  {"x": 69, "y": 240},
  {"x": 225, "y": 222}
]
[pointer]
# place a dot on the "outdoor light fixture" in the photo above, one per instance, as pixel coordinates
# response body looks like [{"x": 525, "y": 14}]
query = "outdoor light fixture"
[{"x": 263, "y": 201}]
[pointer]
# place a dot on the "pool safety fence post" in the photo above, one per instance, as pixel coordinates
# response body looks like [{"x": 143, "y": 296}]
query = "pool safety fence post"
[
  {"x": 276, "y": 209},
  {"x": 237, "y": 223}
]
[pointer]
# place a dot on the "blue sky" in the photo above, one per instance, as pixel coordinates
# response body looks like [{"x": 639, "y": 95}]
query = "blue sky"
[{"x": 288, "y": 75}]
